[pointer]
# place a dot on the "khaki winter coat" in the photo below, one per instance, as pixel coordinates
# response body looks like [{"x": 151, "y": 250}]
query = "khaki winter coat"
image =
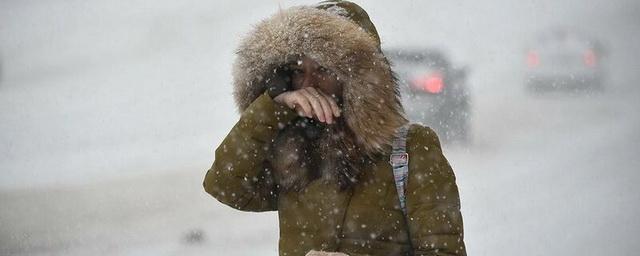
[{"x": 364, "y": 219}]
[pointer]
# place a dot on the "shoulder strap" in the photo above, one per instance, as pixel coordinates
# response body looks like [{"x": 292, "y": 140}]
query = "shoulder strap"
[{"x": 399, "y": 161}]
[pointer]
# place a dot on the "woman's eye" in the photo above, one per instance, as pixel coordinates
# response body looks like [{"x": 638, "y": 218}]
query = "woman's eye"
[
  {"x": 323, "y": 70},
  {"x": 296, "y": 71}
]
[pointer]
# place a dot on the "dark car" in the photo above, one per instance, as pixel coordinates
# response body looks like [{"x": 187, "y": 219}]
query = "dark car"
[
  {"x": 562, "y": 59},
  {"x": 433, "y": 92}
]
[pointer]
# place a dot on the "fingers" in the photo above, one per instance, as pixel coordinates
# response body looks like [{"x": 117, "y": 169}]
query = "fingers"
[
  {"x": 294, "y": 100},
  {"x": 312, "y": 97},
  {"x": 311, "y": 103},
  {"x": 321, "y": 105},
  {"x": 329, "y": 106},
  {"x": 334, "y": 105}
]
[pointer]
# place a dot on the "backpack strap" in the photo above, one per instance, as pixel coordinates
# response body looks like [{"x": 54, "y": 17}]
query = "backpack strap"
[{"x": 399, "y": 161}]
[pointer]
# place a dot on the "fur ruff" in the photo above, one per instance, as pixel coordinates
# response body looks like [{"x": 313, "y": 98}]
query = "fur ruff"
[
  {"x": 371, "y": 107},
  {"x": 305, "y": 151}
]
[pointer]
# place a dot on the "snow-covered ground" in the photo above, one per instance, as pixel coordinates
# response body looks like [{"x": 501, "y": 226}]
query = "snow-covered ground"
[{"x": 110, "y": 112}]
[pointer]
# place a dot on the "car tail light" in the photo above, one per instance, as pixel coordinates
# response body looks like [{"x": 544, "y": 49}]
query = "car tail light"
[
  {"x": 533, "y": 59},
  {"x": 431, "y": 83},
  {"x": 589, "y": 58}
]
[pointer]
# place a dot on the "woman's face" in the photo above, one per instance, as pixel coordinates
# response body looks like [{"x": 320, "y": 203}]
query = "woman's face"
[{"x": 306, "y": 72}]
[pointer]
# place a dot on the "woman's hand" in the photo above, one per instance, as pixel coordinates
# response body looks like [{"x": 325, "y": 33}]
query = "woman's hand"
[{"x": 311, "y": 103}]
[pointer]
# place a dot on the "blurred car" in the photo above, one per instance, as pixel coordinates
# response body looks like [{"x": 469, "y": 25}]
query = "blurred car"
[
  {"x": 433, "y": 92},
  {"x": 560, "y": 59}
]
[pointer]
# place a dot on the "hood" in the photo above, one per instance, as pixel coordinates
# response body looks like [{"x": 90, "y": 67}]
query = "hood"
[{"x": 371, "y": 107}]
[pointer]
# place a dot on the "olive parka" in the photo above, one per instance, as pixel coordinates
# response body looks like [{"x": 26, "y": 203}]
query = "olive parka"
[{"x": 366, "y": 218}]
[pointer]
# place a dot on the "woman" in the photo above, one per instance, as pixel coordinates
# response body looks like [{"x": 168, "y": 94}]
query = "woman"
[{"x": 320, "y": 113}]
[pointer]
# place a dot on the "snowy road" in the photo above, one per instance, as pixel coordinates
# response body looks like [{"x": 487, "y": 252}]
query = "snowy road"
[
  {"x": 105, "y": 136},
  {"x": 563, "y": 182}
]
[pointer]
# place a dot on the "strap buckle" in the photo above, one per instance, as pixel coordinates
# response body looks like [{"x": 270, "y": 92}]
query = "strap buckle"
[{"x": 399, "y": 159}]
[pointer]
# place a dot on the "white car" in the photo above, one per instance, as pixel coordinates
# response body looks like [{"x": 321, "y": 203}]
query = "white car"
[{"x": 563, "y": 60}]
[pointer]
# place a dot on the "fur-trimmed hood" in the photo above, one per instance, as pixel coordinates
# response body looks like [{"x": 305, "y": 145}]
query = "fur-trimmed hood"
[{"x": 371, "y": 109}]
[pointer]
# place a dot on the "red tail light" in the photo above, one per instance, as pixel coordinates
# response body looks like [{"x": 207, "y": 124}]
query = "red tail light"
[
  {"x": 432, "y": 83},
  {"x": 589, "y": 58},
  {"x": 533, "y": 59}
]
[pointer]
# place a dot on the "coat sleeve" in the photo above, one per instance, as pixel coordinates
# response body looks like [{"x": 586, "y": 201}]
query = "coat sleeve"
[
  {"x": 433, "y": 201},
  {"x": 239, "y": 177}
]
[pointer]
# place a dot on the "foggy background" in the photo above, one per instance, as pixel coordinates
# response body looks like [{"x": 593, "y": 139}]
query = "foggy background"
[{"x": 110, "y": 112}]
